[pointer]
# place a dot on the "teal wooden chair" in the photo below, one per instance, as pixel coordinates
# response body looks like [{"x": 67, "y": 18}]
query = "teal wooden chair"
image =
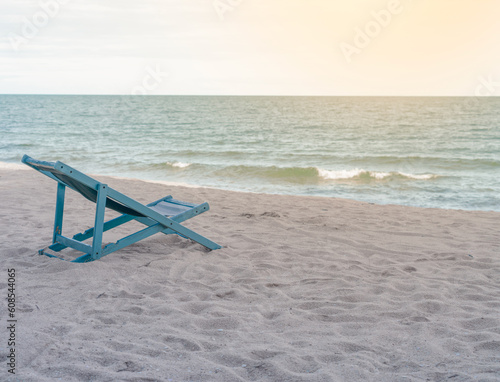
[{"x": 163, "y": 215}]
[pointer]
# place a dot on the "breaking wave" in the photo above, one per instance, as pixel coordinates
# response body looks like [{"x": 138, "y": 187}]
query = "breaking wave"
[
  {"x": 178, "y": 164},
  {"x": 374, "y": 175},
  {"x": 315, "y": 174}
]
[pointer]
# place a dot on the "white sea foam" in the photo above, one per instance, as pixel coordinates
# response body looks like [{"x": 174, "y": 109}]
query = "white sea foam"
[
  {"x": 379, "y": 175},
  {"x": 357, "y": 173},
  {"x": 341, "y": 174},
  {"x": 179, "y": 164},
  {"x": 419, "y": 177},
  {"x": 350, "y": 174}
]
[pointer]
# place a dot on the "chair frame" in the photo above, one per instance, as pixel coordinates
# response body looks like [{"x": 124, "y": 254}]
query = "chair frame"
[{"x": 155, "y": 221}]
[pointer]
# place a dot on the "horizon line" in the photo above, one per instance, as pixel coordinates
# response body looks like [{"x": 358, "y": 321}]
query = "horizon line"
[{"x": 249, "y": 95}]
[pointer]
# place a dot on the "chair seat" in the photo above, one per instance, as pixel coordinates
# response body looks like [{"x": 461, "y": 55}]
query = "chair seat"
[{"x": 170, "y": 209}]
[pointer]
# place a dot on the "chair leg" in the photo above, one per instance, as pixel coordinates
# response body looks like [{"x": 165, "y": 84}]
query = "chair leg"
[
  {"x": 102, "y": 191},
  {"x": 58, "y": 221}
]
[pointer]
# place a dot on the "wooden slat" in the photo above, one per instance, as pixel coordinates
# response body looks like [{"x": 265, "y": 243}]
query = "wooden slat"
[{"x": 78, "y": 245}]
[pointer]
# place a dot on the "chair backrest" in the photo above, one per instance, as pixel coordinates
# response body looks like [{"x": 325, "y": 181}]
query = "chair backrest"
[{"x": 77, "y": 181}]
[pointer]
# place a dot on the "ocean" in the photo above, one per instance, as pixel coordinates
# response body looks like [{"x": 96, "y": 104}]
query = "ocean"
[{"x": 439, "y": 152}]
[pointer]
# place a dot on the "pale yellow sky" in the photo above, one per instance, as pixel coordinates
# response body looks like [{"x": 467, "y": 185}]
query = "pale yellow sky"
[{"x": 269, "y": 47}]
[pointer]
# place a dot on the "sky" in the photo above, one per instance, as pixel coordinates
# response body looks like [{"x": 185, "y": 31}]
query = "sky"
[{"x": 251, "y": 47}]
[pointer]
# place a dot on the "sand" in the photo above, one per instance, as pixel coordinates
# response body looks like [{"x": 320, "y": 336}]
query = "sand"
[{"x": 304, "y": 289}]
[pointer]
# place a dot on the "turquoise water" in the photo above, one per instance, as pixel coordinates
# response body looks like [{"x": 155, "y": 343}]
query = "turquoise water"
[{"x": 419, "y": 151}]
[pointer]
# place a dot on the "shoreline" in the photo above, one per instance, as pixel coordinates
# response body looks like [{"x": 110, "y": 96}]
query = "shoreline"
[
  {"x": 10, "y": 166},
  {"x": 343, "y": 291}
]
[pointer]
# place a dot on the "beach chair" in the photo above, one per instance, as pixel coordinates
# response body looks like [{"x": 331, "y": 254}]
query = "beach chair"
[{"x": 163, "y": 215}]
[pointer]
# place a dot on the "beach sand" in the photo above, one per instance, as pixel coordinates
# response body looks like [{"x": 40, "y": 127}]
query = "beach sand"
[{"x": 304, "y": 289}]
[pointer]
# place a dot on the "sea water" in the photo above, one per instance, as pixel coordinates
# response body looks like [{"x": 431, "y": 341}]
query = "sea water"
[{"x": 418, "y": 151}]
